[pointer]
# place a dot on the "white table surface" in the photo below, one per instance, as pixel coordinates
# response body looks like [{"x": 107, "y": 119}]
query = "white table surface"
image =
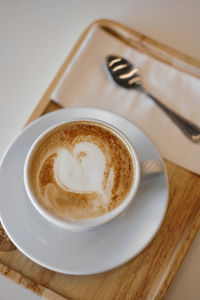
[{"x": 35, "y": 38}]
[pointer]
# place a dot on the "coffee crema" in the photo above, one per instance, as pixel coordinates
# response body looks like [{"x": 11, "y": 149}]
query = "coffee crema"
[{"x": 81, "y": 170}]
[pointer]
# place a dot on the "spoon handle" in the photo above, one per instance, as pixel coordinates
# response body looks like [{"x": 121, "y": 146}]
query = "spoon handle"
[{"x": 191, "y": 130}]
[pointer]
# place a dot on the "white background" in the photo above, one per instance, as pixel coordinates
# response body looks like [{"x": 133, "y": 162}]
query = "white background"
[{"x": 37, "y": 35}]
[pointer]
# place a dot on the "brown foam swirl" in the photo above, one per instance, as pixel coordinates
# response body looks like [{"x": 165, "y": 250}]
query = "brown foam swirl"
[{"x": 66, "y": 204}]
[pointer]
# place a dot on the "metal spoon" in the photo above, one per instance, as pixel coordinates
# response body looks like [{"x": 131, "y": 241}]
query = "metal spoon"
[{"x": 125, "y": 75}]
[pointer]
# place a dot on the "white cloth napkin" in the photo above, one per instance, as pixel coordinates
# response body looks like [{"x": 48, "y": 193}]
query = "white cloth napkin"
[{"x": 85, "y": 83}]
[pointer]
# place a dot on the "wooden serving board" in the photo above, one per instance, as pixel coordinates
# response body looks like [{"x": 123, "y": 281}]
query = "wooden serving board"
[{"x": 148, "y": 275}]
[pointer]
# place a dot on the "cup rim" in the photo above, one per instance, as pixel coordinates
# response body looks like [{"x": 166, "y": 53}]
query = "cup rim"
[{"x": 91, "y": 223}]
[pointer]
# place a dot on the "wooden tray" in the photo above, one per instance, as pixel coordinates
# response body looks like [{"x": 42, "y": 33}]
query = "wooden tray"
[{"x": 149, "y": 275}]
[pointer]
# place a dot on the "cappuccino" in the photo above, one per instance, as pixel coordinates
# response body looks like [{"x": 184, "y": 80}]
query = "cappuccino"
[{"x": 81, "y": 170}]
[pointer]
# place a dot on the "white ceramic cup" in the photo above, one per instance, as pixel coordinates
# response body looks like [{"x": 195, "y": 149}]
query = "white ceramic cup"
[{"x": 144, "y": 171}]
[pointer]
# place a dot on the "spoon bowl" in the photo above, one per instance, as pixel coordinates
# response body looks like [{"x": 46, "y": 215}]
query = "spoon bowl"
[{"x": 123, "y": 72}]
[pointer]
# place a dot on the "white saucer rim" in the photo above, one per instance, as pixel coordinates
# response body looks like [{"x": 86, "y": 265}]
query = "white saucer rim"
[{"x": 110, "y": 267}]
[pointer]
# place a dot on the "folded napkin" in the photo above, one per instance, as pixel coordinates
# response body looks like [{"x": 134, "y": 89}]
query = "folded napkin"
[{"x": 86, "y": 83}]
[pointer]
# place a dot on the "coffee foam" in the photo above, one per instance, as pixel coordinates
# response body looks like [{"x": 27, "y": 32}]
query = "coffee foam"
[
  {"x": 73, "y": 171},
  {"x": 81, "y": 170}
]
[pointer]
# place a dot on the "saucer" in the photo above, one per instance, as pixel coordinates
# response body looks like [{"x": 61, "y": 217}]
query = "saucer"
[{"x": 79, "y": 253}]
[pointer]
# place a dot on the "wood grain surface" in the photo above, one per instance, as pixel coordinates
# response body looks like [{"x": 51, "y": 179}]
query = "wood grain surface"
[
  {"x": 148, "y": 275},
  {"x": 29, "y": 284},
  {"x": 5, "y": 243}
]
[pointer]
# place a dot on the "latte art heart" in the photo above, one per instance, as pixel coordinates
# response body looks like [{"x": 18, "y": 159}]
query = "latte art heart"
[{"x": 81, "y": 170}]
